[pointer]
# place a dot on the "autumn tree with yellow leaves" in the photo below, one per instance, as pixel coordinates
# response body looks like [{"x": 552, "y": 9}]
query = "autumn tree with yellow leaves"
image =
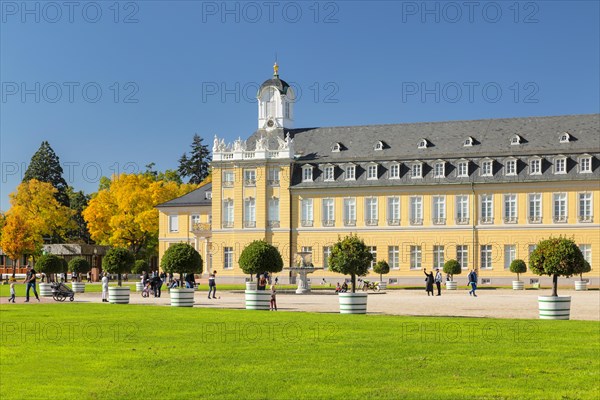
[{"x": 123, "y": 213}]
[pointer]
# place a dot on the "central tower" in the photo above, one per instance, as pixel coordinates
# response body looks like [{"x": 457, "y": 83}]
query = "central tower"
[{"x": 275, "y": 103}]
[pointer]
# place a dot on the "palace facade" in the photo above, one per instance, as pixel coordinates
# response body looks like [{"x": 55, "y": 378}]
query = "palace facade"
[{"x": 481, "y": 192}]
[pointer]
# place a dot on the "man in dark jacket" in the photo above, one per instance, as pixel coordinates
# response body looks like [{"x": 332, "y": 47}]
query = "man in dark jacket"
[
  {"x": 30, "y": 281},
  {"x": 190, "y": 281},
  {"x": 473, "y": 282}
]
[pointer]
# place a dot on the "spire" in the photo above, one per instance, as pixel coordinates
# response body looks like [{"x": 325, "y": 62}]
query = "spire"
[{"x": 275, "y": 70}]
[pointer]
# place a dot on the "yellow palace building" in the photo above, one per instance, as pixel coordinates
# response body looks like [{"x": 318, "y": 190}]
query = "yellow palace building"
[{"x": 481, "y": 192}]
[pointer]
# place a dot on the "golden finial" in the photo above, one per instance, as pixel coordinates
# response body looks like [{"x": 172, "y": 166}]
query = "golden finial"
[{"x": 275, "y": 69}]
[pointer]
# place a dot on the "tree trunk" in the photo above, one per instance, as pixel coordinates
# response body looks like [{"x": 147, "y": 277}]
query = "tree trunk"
[
  {"x": 518, "y": 277},
  {"x": 353, "y": 277},
  {"x": 181, "y": 280},
  {"x": 119, "y": 279},
  {"x": 14, "y": 269},
  {"x": 380, "y": 277},
  {"x": 554, "y": 285}
]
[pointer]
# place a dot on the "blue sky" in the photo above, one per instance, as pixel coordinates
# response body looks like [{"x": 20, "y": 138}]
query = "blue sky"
[{"x": 166, "y": 70}]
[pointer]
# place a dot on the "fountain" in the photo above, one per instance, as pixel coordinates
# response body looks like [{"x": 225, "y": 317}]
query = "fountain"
[{"x": 304, "y": 266}]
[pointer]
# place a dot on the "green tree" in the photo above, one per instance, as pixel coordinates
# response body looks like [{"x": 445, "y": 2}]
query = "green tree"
[
  {"x": 118, "y": 261},
  {"x": 45, "y": 167},
  {"x": 50, "y": 265},
  {"x": 79, "y": 265},
  {"x": 452, "y": 267},
  {"x": 350, "y": 256},
  {"x": 181, "y": 258},
  {"x": 260, "y": 256},
  {"x": 381, "y": 268},
  {"x": 556, "y": 257},
  {"x": 518, "y": 267},
  {"x": 140, "y": 266},
  {"x": 196, "y": 166},
  {"x": 584, "y": 269},
  {"x": 78, "y": 201}
]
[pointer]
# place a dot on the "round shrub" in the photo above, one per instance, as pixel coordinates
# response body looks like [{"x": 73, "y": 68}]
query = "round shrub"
[
  {"x": 50, "y": 264},
  {"x": 452, "y": 267},
  {"x": 181, "y": 258},
  {"x": 79, "y": 265},
  {"x": 518, "y": 267},
  {"x": 381, "y": 268},
  {"x": 140, "y": 266},
  {"x": 260, "y": 256},
  {"x": 350, "y": 256},
  {"x": 118, "y": 261}
]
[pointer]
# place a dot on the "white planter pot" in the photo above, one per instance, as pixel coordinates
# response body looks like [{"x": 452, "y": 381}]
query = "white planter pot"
[
  {"x": 581, "y": 285},
  {"x": 552, "y": 307},
  {"x": 118, "y": 294},
  {"x": 250, "y": 285},
  {"x": 78, "y": 287},
  {"x": 258, "y": 299},
  {"x": 518, "y": 285},
  {"x": 382, "y": 286},
  {"x": 353, "y": 303},
  {"x": 139, "y": 286},
  {"x": 45, "y": 290},
  {"x": 182, "y": 297},
  {"x": 451, "y": 285}
]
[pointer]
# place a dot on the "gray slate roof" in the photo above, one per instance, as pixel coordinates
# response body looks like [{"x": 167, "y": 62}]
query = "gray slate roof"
[{"x": 194, "y": 198}]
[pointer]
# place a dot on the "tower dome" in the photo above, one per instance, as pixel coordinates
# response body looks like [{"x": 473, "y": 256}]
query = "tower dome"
[{"x": 275, "y": 103}]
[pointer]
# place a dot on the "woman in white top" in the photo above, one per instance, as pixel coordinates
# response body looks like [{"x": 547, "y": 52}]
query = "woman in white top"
[{"x": 104, "y": 288}]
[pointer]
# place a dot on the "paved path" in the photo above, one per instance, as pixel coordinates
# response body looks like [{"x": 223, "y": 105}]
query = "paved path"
[{"x": 501, "y": 303}]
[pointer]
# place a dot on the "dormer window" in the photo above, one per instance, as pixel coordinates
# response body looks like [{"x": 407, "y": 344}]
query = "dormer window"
[
  {"x": 208, "y": 195},
  {"x": 336, "y": 147},
  {"x": 307, "y": 173},
  {"x": 486, "y": 167},
  {"x": 585, "y": 164},
  {"x": 416, "y": 170},
  {"x": 565, "y": 137},
  {"x": 462, "y": 169},
  {"x": 350, "y": 172},
  {"x": 423, "y": 143},
  {"x": 468, "y": 142},
  {"x": 439, "y": 169},
  {"x": 372, "y": 171},
  {"x": 515, "y": 140},
  {"x": 560, "y": 165},
  {"x": 378, "y": 146},
  {"x": 535, "y": 166},
  {"x": 510, "y": 168},
  {"x": 395, "y": 171},
  {"x": 329, "y": 173}
]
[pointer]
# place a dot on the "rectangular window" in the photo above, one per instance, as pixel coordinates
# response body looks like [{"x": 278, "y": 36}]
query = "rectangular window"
[
  {"x": 585, "y": 165},
  {"x": 560, "y": 165},
  {"x": 511, "y": 167},
  {"x": 535, "y": 208},
  {"x": 394, "y": 257},
  {"x": 486, "y": 256},
  {"x": 394, "y": 171},
  {"x": 228, "y": 178},
  {"x": 462, "y": 209},
  {"x": 328, "y": 210},
  {"x": 326, "y": 254},
  {"x": 393, "y": 211},
  {"x": 350, "y": 211},
  {"x": 415, "y": 257},
  {"x": 438, "y": 257},
  {"x": 273, "y": 176},
  {"x": 531, "y": 248},
  {"x": 250, "y": 213},
  {"x": 194, "y": 219},
  {"x": 174, "y": 223},
  {"x": 586, "y": 250},
  {"x": 510, "y": 253},
  {"x": 462, "y": 256},
  {"x": 585, "y": 207},
  {"x": 307, "y": 174},
  {"x": 307, "y": 212},
  {"x": 274, "y": 212},
  {"x": 487, "y": 209},
  {"x": 463, "y": 169},
  {"x": 416, "y": 171},
  {"x": 559, "y": 212},
  {"x": 372, "y": 172},
  {"x": 371, "y": 217},
  {"x": 439, "y": 210},
  {"x": 510, "y": 208},
  {"x": 350, "y": 172},
  {"x": 535, "y": 166},
  {"x": 250, "y": 177},
  {"x": 439, "y": 170},
  {"x": 227, "y": 213},
  {"x": 329, "y": 174},
  {"x": 486, "y": 168},
  {"x": 416, "y": 210},
  {"x": 373, "y": 251},
  {"x": 227, "y": 257}
]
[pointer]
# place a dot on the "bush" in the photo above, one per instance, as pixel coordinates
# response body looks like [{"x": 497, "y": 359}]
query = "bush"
[
  {"x": 452, "y": 267},
  {"x": 260, "y": 256},
  {"x": 181, "y": 258},
  {"x": 518, "y": 267},
  {"x": 50, "y": 264},
  {"x": 381, "y": 268},
  {"x": 585, "y": 268},
  {"x": 118, "y": 261},
  {"x": 556, "y": 257},
  {"x": 79, "y": 265},
  {"x": 140, "y": 266},
  {"x": 350, "y": 256}
]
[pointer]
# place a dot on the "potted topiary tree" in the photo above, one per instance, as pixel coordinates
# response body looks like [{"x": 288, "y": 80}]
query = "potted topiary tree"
[
  {"x": 118, "y": 261},
  {"x": 585, "y": 268},
  {"x": 382, "y": 268},
  {"x": 258, "y": 257},
  {"x": 183, "y": 259},
  {"x": 50, "y": 265},
  {"x": 139, "y": 267},
  {"x": 79, "y": 265},
  {"x": 518, "y": 267},
  {"x": 451, "y": 268},
  {"x": 556, "y": 257},
  {"x": 350, "y": 256}
]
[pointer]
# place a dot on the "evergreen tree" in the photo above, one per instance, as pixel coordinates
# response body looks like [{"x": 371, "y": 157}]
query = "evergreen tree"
[
  {"x": 78, "y": 202},
  {"x": 196, "y": 165},
  {"x": 45, "y": 167}
]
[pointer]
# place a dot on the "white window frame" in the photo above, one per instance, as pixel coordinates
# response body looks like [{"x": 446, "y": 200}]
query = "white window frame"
[
  {"x": 393, "y": 210},
  {"x": 228, "y": 213},
  {"x": 228, "y": 257},
  {"x": 307, "y": 173},
  {"x": 439, "y": 169},
  {"x": 378, "y": 146},
  {"x": 416, "y": 170},
  {"x": 416, "y": 257},
  {"x": 585, "y": 164},
  {"x": 372, "y": 172},
  {"x": 438, "y": 256},
  {"x": 249, "y": 177},
  {"x": 349, "y": 211},
  {"x": 485, "y": 164},
  {"x": 468, "y": 142},
  {"x": 585, "y": 212},
  {"x": 462, "y": 255},
  {"x": 350, "y": 172},
  {"x": 326, "y": 254},
  {"x": 462, "y": 169},
  {"x": 250, "y": 212},
  {"x": 438, "y": 209},
  {"x": 371, "y": 211},
  {"x": 488, "y": 201},
  {"x": 486, "y": 259},
  {"x": 329, "y": 173},
  {"x": 328, "y": 211},
  {"x": 416, "y": 210},
  {"x": 510, "y": 168},
  {"x": 273, "y": 212},
  {"x": 565, "y": 137},
  {"x": 560, "y": 165},
  {"x": 228, "y": 178},
  {"x": 515, "y": 140},
  {"x": 306, "y": 212},
  {"x": 373, "y": 251},
  {"x": 510, "y": 208},
  {"x": 534, "y": 208},
  {"x": 586, "y": 250},
  {"x": 273, "y": 176},
  {"x": 462, "y": 209},
  {"x": 173, "y": 223},
  {"x": 394, "y": 257},
  {"x": 537, "y": 161},
  {"x": 336, "y": 148},
  {"x": 560, "y": 207},
  {"x": 510, "y": 254},
  {"x": 423, "y": 143},
  {"x": 394, "y": 171}
]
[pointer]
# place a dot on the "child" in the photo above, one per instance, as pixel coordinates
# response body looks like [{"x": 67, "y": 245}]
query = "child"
[
  {"x": 273, "y": 304},
  {"x": 12, "y": 293}
]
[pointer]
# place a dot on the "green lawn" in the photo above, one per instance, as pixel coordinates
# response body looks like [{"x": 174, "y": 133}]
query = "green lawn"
[{"x": 105, "y": 351}]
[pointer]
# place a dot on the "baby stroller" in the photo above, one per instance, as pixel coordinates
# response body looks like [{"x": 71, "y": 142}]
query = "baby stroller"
[
  {"x": 147, "y": 289},
  {"x": 60, "y": 292}
]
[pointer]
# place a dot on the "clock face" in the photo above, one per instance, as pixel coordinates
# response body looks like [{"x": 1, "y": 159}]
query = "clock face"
[{"x": 270, "y": 123}]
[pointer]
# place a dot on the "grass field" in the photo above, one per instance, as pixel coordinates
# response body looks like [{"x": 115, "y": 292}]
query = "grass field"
[{"x": 105, "y": 351}]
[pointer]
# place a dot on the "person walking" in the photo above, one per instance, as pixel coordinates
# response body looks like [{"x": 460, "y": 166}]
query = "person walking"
[
  {"x": 30, "y": 281},
  {"x": 473, "y": 282},
  {"x": 273, "y": 303},
  {"x": 212, "y": 285},
  {"x": 104, "y": 288},
  {"x": 428, "y": 282},
  {"x": 12, "y": 293},
  {"x": 438, "y": 281},
  {"x": 190, "y": 281}
]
